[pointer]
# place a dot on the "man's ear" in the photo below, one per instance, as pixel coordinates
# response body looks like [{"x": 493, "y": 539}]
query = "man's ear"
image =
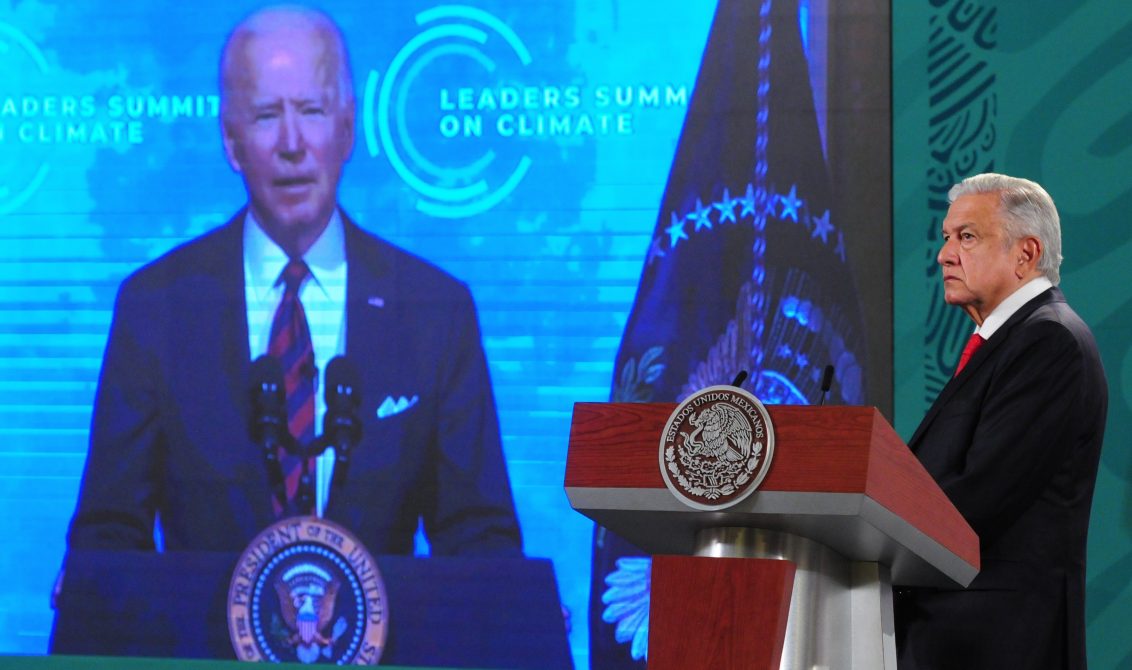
[
  {"x": 231, "y": 145},
  {"x": 1029, "y": 253}
]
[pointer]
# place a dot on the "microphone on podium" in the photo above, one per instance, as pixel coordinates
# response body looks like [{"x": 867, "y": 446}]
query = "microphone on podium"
[
  {"x": 341, "y": 427},
  {"x": 826, "y": 383},
  {"x": 269, "y": 416}
]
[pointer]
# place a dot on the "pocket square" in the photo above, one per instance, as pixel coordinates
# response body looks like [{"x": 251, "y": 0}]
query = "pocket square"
[{"x": 389, "y": 406}]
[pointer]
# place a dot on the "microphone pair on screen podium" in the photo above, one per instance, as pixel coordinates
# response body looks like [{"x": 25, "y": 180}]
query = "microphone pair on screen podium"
[{"x": 341, "y": 426}]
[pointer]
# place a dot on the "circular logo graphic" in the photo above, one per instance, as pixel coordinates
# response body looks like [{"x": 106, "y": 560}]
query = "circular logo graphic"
[
  {"x": 716, "y": 447},
  {"x": 305, "y": 590},
  {"x": 24, "y": 168},
  {"x": 434, "y": 134}
]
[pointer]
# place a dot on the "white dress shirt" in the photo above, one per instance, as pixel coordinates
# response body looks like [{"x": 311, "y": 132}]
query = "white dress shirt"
[{"x": 1013, "y": 302}]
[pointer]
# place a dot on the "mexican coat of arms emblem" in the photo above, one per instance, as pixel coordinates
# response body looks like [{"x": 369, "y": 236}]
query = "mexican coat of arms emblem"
[{"x": 716, "y": 447}]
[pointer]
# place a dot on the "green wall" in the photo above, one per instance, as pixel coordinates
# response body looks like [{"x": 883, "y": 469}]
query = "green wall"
[{"x": 1038, "y": 89}]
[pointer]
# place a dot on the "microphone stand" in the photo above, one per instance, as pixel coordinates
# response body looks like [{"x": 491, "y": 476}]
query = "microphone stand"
[
  {"x": 269, "y": 429},
  {"x": 342, "y": 429}
]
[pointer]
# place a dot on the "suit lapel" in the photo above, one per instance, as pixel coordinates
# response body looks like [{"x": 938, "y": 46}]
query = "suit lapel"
[
  {"x": 983, "y": 354},
  {"x": 227, "y": 265},
  {"x": 370, "y": 298},
  {"x": 228, "y": 268}
]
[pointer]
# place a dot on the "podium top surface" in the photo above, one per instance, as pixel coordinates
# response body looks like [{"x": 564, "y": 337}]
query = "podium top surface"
[{"x": 840, "y": 476}]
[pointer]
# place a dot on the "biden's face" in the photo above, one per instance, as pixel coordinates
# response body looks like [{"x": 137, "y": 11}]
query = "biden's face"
[{"x": 288, "y": 132}]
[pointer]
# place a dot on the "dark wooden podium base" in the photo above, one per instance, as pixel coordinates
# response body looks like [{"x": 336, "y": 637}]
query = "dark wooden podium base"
[{"x": 718, "y": 613}]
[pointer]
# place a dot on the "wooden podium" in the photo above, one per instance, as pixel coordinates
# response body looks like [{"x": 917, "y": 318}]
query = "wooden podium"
[{"x": 797, "y": 575}]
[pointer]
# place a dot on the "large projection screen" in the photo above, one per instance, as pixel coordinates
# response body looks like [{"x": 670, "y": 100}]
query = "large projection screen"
[{"x": 542, "y": 152}]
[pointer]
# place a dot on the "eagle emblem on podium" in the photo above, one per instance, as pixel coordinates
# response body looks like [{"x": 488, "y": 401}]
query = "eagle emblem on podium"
[
  {"x": 723, "y": 433},
  {"x": 307, "y": 595},
  {"x": 307, "y": 590},
  {"x": 716, "y": 447}
]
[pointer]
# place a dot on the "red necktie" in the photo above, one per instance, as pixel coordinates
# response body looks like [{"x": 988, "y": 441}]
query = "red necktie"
[
  {"x": 973, "y": 344},
  {"x": 291, "y": 344}
]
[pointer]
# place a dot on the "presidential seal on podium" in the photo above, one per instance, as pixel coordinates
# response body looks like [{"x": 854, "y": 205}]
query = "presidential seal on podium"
[
  {"x": 306, "y": 590},
  {"x": 716, "y": 447}
]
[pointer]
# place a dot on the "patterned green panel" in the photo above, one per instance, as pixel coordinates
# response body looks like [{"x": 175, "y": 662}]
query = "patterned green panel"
[{"x": 1044, "y": 91}]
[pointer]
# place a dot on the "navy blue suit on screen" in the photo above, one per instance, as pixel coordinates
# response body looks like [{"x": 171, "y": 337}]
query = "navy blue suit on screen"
[
  {"x": 1014, "y": 441},
  {"x": 170, "y": 433}
]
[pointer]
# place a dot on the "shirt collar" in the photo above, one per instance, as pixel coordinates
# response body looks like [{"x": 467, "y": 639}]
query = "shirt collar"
[
  {"x": 264, "y": 260},
  {"x": 1012, "y": 304}
]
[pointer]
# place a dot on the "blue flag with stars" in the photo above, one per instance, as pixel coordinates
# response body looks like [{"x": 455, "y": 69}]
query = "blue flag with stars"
[{"x": 746, "y": 270}]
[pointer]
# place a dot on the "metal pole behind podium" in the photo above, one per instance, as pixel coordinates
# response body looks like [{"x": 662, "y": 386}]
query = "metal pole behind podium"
[{"x": 840, "y": 610}]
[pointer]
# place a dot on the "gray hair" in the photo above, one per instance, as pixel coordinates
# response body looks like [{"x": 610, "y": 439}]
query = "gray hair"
[
  {"x": 282, "y": 17},
  {"x": 1028, "y": 211}
]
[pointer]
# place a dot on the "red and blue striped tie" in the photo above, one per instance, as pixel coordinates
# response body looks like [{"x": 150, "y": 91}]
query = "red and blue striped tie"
[{"x": 291, "y": 344}]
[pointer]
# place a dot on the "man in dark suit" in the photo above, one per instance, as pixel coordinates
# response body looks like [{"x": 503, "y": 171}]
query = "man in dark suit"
[
  {"x": 170, "y": 441},
  {"x": 1014, "y": 440}
]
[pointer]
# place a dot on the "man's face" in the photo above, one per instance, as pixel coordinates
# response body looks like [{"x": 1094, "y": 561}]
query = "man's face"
[
  {"x": 980, "y": 267},
  {"x": 287, "y": 134}
]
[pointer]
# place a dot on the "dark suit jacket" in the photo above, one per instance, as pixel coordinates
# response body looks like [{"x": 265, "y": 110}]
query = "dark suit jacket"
[
  {"x": 1014, "y": 441},
  {"x": 170, "y": 433}
]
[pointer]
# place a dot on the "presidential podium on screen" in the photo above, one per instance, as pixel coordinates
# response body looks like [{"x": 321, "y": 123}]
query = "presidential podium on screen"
[{"x": 442, "y": 612}]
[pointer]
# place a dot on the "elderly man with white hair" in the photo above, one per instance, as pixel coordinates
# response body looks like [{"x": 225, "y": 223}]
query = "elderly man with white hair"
[
  {"x": 1013, "y": 439},
  {"x": 292, "y": 277}
]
